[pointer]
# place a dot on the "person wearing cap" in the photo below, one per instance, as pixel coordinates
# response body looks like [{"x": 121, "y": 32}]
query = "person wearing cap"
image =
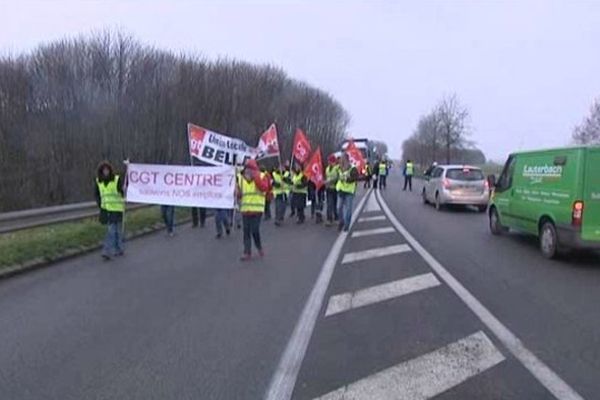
[
  {"x": 346, "y": 187},
  {"x": 251, "y": 191},
  {"x": 332, "y": 172}
]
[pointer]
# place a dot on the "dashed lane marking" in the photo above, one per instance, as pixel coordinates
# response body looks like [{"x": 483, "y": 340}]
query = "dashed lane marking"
[
  {"x": 376, "y": 231},
  {"x": 546, "y": 376},
  {"x": 375, "y": 253},
  {"x": 425, "y": 376},
  {"x": 376, "y": 294},
  {"x": 369, "y": 219}
]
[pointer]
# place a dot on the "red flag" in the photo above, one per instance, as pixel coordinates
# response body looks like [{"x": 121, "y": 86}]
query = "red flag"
[
  {"x": 195, "y": 138},
  {"x": 268, "y": 144},
  {"x": 302, "y": 148},
  {"x": 356, "y": 156},
  {"x": 314, "y": 169}
]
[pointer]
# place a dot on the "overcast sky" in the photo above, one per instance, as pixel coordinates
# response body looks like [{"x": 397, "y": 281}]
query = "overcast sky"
[{"x": 527, "y": 70}]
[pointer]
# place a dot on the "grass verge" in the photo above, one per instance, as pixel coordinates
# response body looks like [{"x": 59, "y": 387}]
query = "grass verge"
[{"x": 52, "y": 241}]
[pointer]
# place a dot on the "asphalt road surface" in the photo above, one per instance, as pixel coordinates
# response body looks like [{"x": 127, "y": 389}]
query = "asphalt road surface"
[{"x": 411, "y": 304}]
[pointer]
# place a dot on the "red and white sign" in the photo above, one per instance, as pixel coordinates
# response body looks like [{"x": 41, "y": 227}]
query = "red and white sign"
[
  {"x": 181, "y": 185},
  {"x": 301, "y": 149},
  {"x": 268, "y": 144},
  {"x": 314, "y": 169},
  {"x": 355, "y": 156},
  {"x": 218, "y": 149}
]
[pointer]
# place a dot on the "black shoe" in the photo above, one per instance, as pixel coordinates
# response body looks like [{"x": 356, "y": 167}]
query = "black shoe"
[
  {"x": 105, "y": 257},
  {"x": 228, "y": 232},
  {"x": 219, "y": 235},
  {"x": 119, "y": 253}
]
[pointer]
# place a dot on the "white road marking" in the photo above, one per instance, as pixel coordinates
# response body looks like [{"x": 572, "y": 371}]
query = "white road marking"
[
  {"x": 428, "y": 375},
  {"x": 376, "y": 231},
  {"x": 375, "y": 253},
  {"x": 372, "y": 204},
  {"x": 284, "y": 379},
  {"x": 551, "y": 381},
  {"x": 369, "y": 219},
  {"x": 376, "y": 294}
]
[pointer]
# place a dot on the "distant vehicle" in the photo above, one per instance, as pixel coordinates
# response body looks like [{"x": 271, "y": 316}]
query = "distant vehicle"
[
  {"x": 456, "y": 184},
  {"x": 554, "y": 194},
  {"x": 365, "y": 146}
]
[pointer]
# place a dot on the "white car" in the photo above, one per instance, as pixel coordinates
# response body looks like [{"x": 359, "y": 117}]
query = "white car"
[{"x": 457, "y": 184}]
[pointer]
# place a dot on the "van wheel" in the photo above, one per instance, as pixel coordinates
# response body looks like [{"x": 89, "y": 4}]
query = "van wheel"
[
  {"x": 548, "y": 240},
  {"x": 424, "y": 196},
  {"x": 495, "y": 226},
  {"x": 438, "y": 204}
]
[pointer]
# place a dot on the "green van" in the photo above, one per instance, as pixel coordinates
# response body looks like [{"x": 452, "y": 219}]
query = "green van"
[{"x": 554, "y": 194}]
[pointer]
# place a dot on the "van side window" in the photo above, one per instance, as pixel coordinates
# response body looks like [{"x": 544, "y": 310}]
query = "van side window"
[{"x": 506, "y": 179}]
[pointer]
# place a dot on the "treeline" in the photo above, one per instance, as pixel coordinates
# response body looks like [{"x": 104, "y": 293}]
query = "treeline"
[
  {"x": 69, "y": 104},
  {"x": 588, "y": 132},
  {"x": 442, "y": 135}
]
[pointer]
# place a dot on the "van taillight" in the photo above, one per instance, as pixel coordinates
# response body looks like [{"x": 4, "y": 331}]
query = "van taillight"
[
  {"x": 577, "y": 213},
  {"x": 446, "y": 184}
]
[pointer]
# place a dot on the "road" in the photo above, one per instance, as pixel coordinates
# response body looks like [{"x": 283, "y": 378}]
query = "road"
[{"x": 182, "y": 318}]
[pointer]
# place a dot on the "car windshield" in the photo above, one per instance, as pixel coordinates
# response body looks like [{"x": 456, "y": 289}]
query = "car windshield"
[{"x": 464, "y": 174}]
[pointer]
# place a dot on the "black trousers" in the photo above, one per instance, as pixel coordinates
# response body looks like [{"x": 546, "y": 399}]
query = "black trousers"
[
  {"x": 195, "y": 212},
  {"x": 331, "y": 205},
  {"x": 280, "y": 206},
  {"x": 382, "y": 181},
  {"x": 251, "y": 224},
  {"x": 267, "y": 209},
  {"x": 299, "y": 201},
  {"x": 408, "y": 182}
]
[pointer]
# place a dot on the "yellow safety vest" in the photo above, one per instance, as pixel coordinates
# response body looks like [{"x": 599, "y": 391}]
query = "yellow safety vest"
[
  {"x": 110, "y": 198},
  {"x": 343, "y": 185},
  {"x": 253, "y": 200},
  {"x": 382, "y": 169},
  {"x": 410, "y": 169},
  {"x": 332, "y": 173},
  {"x": 278, "y": 179},
  {"x": 296, "y": 181}
]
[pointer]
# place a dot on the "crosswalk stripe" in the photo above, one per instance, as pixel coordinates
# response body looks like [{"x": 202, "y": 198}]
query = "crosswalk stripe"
[
  {"x": 426, "y": 376},
  {"x": 376, "y": 231},
  {"x": 372, "y": 204},
  {"x": 369, "y": 219},
  {"x": 376, "y": 294},
  {"x": 375, "y": 253}
]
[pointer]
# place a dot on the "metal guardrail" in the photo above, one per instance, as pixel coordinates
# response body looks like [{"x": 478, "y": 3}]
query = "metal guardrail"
[{"x": 19, "y": 220}]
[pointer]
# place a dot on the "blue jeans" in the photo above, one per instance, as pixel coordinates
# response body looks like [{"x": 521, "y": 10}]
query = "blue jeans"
[
  {"x": 168, "y": 216},
  {"x": 113, "y": 242},
  {"x": 345, "y": 209},
  {"x": 222, "y": 220}
]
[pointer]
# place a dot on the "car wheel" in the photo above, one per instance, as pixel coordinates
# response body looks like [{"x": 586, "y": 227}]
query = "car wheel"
[
  {"x": 424, "y": 196},
  {"x": 438, "y": 204},
  {"x": 495, "y": 226},
  {"x": 548, "y": 240},
  {"x": 481, "y": 208}
]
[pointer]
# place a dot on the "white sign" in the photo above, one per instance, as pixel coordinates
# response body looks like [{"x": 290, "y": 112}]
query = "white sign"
[
  {"x": 218, "y": 149},
  {"x": 180, "y": 185}
]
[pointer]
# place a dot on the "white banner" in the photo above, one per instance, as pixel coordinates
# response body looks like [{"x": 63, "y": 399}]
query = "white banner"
[
  {"x": 180, "y": 185},
  {"x": 217, "y": 149}
]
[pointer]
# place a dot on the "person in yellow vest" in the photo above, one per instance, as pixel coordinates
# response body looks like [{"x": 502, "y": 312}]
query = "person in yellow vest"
[
  {"x": 280, "y": 176},
  {"x": 409, "y": 171},
  {"x": 299, "y": 192},
  {"x": 383, "y": 170},
  {"x": 251, "y": 192},
  {"x": 331, "y": 179},
  {"x": 346, "y": 188},
  {"x": 367, "y": 175},
  {"x": 109, "y": 193}
]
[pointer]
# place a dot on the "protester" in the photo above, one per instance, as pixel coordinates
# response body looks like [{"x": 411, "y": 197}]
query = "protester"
[
  {"x": 279, "y": 191},
  {"x": 168, "y": 216},
  {"x": 409, "y": 170},
  {"x": 367, "y": 175},
  {"x": 383, "y": 170},
  {"x": 266, "y": 174},
  {"x": 319, "y": 200},
  {"x": 251, "y": 191},
  {"x": 331, "y": 179},
  {"x": 201, "y": 212},
  {"x": 375, "y": 174},
  {"x": 110, "y": 197},
  {"x": 312, "y": 197},
  {"x": 346, "y": 188},
  {"x": 299, "y": 192}
]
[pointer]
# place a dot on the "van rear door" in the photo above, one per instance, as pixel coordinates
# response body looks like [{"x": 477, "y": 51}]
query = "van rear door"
[{"x": 591, "y": 212}]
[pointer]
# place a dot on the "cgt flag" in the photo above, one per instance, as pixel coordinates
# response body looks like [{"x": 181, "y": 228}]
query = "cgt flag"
[
  {"x": 314, "y": 169},
  {"x": 302, "y": 148},
  {"x": 268, "y": 144},
  {"x": 355, "y": 156}
]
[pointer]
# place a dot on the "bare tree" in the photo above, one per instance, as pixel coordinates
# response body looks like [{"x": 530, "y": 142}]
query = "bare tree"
[
  {"x": 589, "y": 130},
  {"x": 452, "y": 123}
]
